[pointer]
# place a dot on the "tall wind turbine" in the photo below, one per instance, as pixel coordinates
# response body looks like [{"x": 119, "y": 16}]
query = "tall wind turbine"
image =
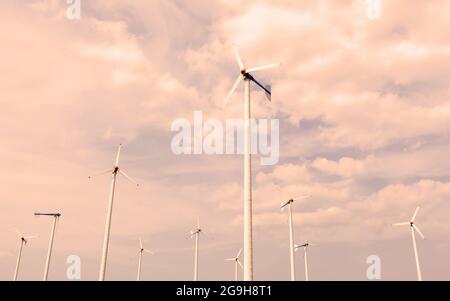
[
  {"x": 245, "y": 74},
  {"x": 305, "y": 246},
  {"x": 114, "y": 171},
  {"x": 56, "y": 217},
  {"x": 237, "y": 263},
  {"x": 291, "y": 232},
  {"x": 23, "y": 241},
  {"x": 196, "y": 233},
  {"x": 414, "y": 229},
  {"x": 141, "y": 252}
]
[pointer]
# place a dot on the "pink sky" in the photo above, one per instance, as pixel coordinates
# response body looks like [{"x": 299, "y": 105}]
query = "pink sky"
[{"x": 364, "y": 115}]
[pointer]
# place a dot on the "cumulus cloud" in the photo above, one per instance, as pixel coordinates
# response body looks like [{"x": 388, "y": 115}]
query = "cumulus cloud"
[{"x": 363, "y": 109}]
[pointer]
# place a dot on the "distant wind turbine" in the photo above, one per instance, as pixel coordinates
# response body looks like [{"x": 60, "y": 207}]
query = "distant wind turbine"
[
  {"x": 56, "y": 217},
  {"x": 141, "y": 253},
  {"x": 237, "y": 263},
  {"x": 23, "y": 241},
  {"x": 291, "y": 231},
  {"x": 305, "y": 246},
  {"x": 196, "y": 233},
  {"x": 414, "y": 229},
  {"x": 114, "y": 171},
  {"x": 245, "y": 74}
]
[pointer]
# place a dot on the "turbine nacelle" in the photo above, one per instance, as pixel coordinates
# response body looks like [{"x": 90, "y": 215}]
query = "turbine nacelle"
[
  {"x": 236, "y": 259},
  {"x": 142, "y": 249},
  {"x": 116, "y": 169},
  {"x": 303, "y": 246},
  {"x": 412, "y": 223},
  {"x": 23, "y": 238},
  {"x": 291, "y": 201},
  {"x": 245, "y": 75},
  {"x": 198, "y": 230},
  {"x": 56, "y": 215}
]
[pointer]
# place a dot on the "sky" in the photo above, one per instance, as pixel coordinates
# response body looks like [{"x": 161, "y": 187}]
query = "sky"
[{"x": 363, "y": 110}]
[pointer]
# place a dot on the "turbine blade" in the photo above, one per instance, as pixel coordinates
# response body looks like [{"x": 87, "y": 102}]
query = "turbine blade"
[
  {"x": 418, "y": 231},
  {"x": 140, "y": 243},
  {"x": 128, "y": 177},
  {"x": 298, "y": 247},
  {"x": 415, "y": 213},
  {"x": 236, "y": 83},
  {"x": 401, "y": 224},
  {"x": 30, "y": 237},
  {"x": 110, "y": 170},
  {"x": 302, "y": 197},
  {"x": 238, "y": 57},
  {"x": 230, "y": 259},
  {"x": 198, "y": 223},
  {"x": 149, "y": 252},
  {"x": 285, "y": 204},
  {"x": 265, "y": 67},
  {"x": 268, "y": 92},
  {"x": 239, "y": 253},
  {"x": 18, "y": 233},
  {"x": 118, "y": 155},
  {"x": 240, "y": 264}
]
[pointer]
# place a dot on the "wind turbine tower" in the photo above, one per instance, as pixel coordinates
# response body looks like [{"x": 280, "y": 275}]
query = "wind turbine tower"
[
  {"x": 114, "y": 171},
  {"x": 291, "y": 232},
  {"x": 56, "y": 217},
  {"x": 196, "y": 235},
  {"x": 247, "y": 77},
  {"x": 412, "y": 225},
  {"x": 23, "y": 241}
]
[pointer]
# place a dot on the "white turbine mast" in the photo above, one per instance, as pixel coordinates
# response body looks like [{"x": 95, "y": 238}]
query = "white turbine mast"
[
  {"x": 304, "y": 246},
  {"x": 23, "y": 241},
  {"x": 114, "y": 171},
  {"x": 56, "y": 217},
  {"x": 247, "y": 77},
  {"x": 237, "y": 264},
  {"x": 141, "y": 252},
  {"x": 291, "y": 231},
  {"x": 414, "y": 229},
  {"x": 196, "y": 234}
]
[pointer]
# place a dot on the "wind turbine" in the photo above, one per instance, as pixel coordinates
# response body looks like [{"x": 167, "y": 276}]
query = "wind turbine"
[
  {"x": 114, "y": 171},
  {"x": 56, "y": 217},
  {"x": 414, "y": 229},
  {"x": 245, "y": 74},
  {"x": 23, "y": 241},
  {"x": 237, "y": 263},
  {"x": 196, "y": 233},
  {"x": 141, "y": 252},
  {"x": 305, "y": 246},
  {"x": 291, "y": 231}
]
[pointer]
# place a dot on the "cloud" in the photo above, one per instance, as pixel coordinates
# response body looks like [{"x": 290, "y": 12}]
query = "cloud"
[
  {"x": 363, "y": 109},
  {"x": 345, "y": 167}
]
